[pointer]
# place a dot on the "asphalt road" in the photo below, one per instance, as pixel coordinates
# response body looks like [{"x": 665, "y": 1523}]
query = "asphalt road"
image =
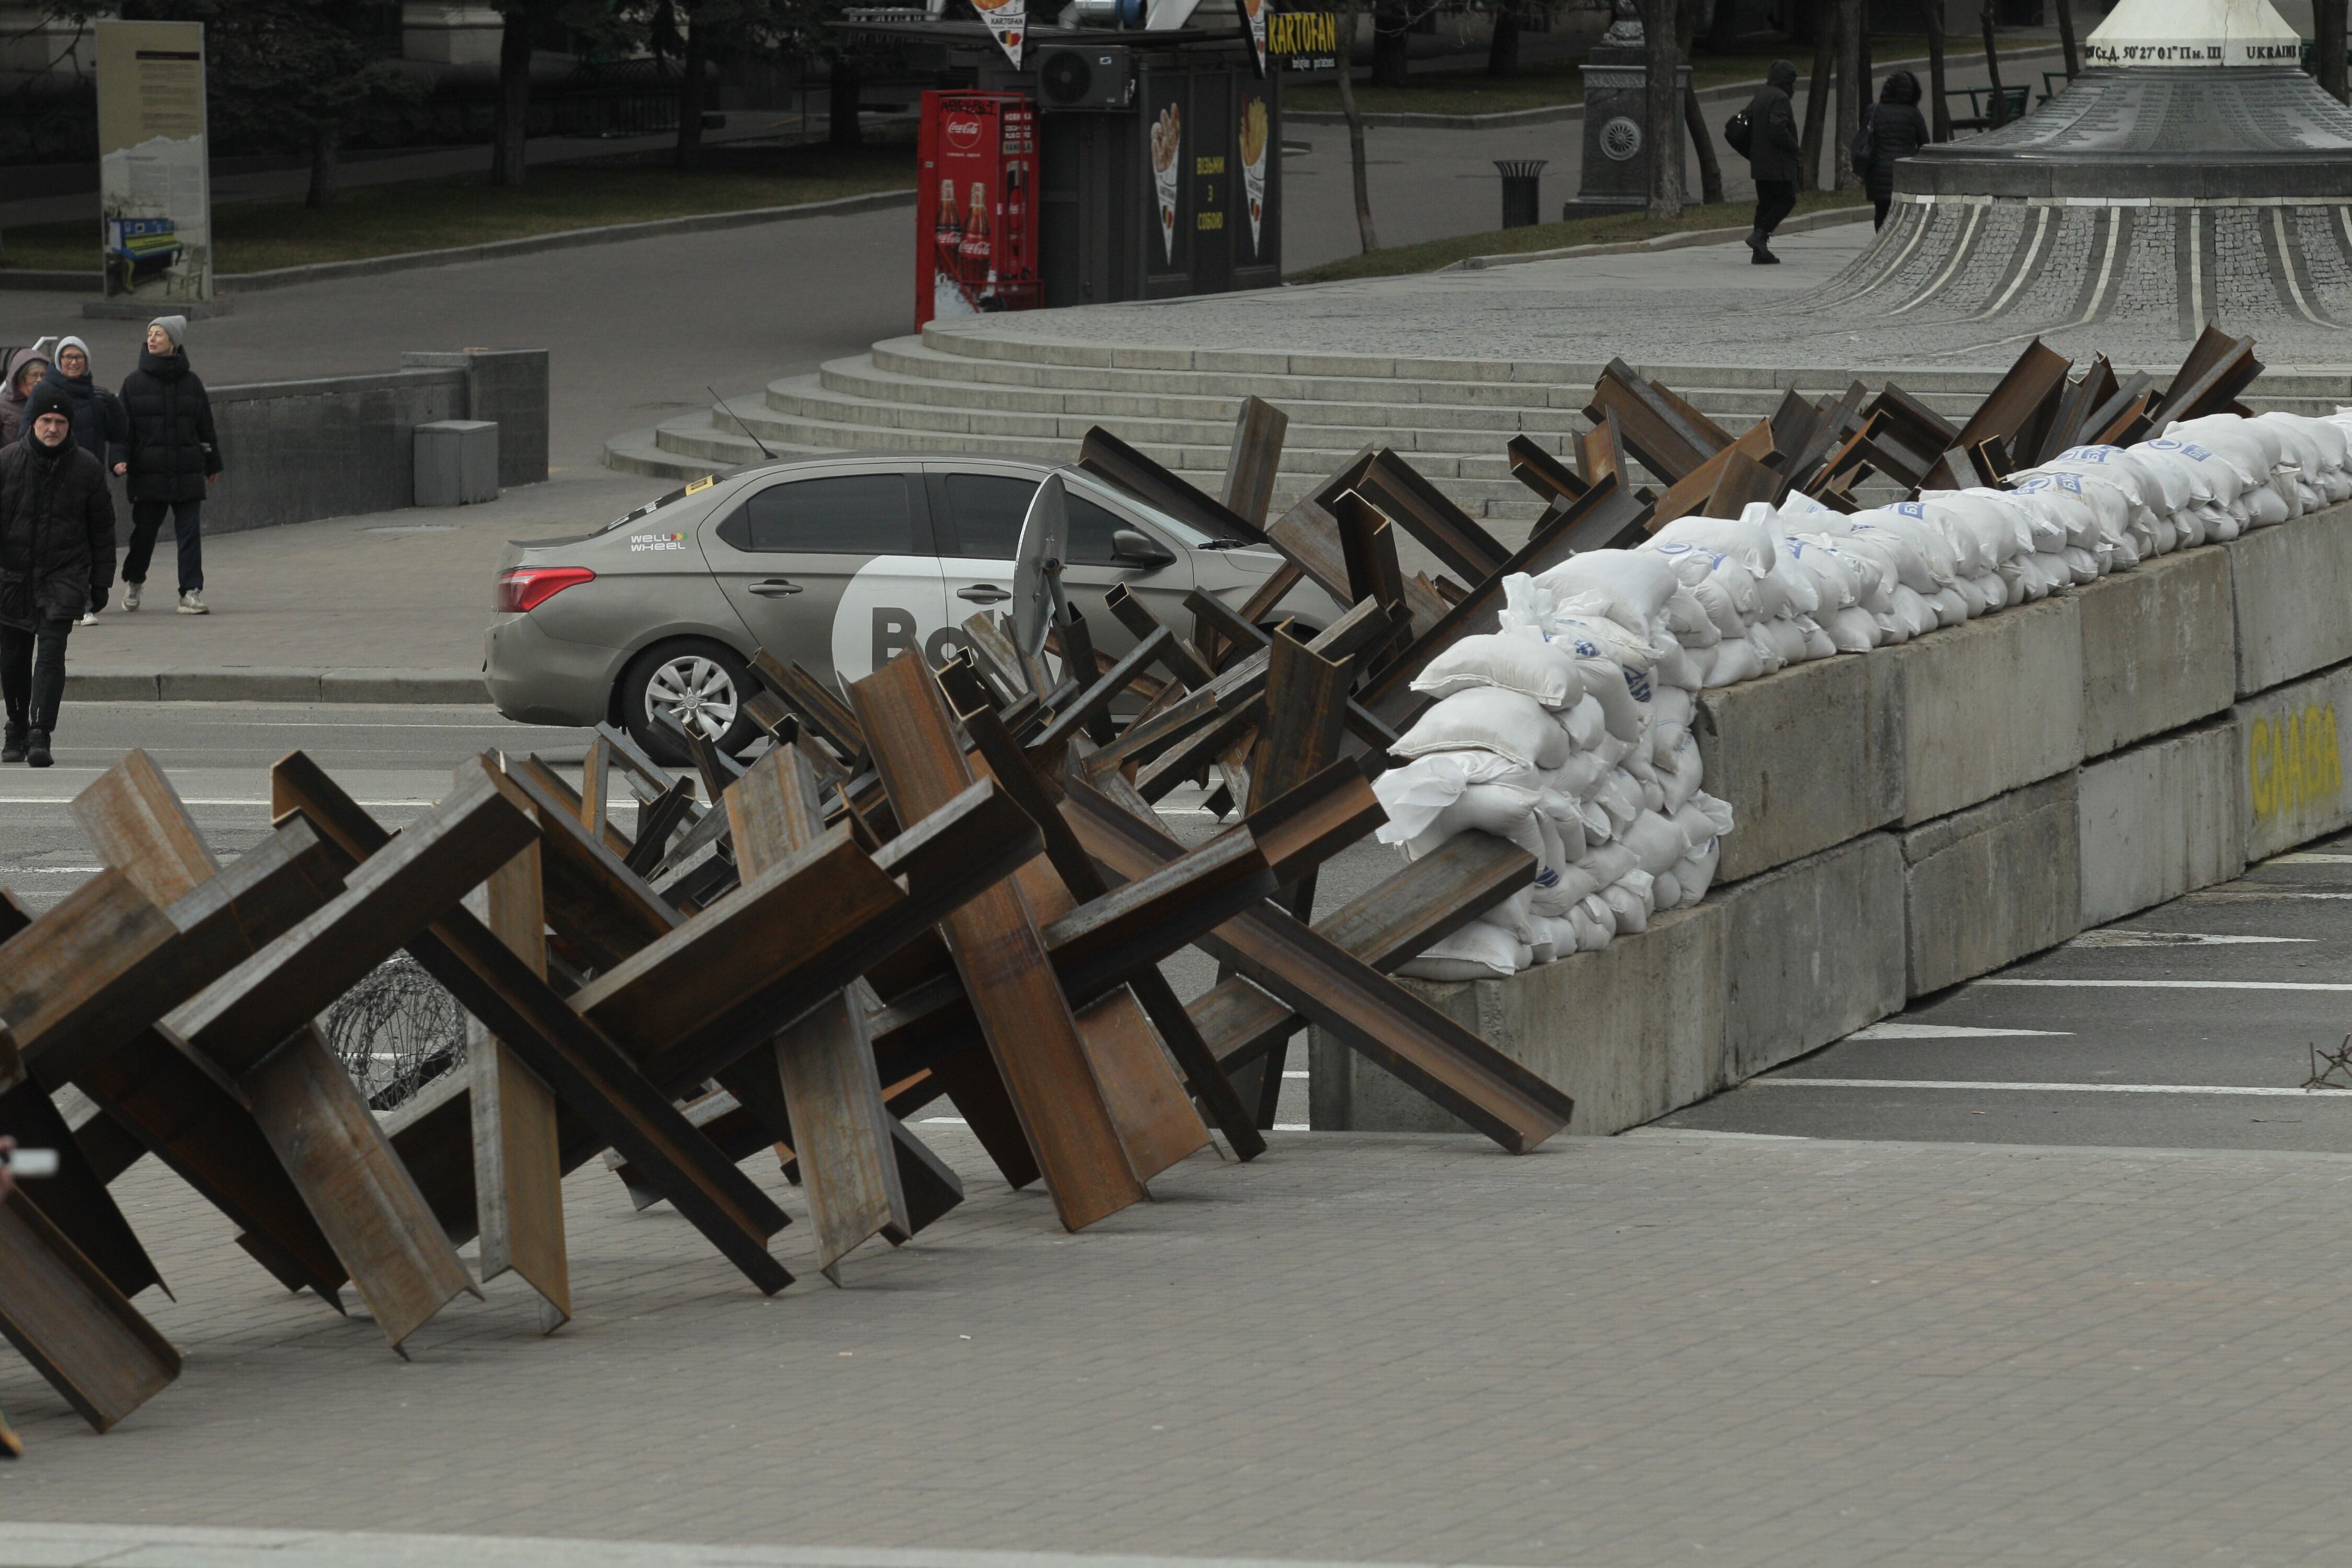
[
  {"x": 396, "y": 761},
  {"x": 2188, "y": 1025}
]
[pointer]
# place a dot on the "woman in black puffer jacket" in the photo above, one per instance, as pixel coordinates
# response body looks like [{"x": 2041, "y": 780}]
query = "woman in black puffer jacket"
[
  {"x": 1897, "y": 131},
  {"x": 174, "y": 454}
]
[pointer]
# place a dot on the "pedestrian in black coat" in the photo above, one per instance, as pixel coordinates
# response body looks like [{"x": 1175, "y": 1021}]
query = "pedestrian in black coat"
[
  {"x": 174, "y": 454},
  {"x": 1897, "y": 131},
  {"x": 99, "y": 425},
  {"x": 57, "y": 554},
  {"x": 1772, "y": 148}
]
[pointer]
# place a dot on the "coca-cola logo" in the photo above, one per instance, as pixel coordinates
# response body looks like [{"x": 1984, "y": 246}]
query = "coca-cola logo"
[{"x": 963, "y": 134}]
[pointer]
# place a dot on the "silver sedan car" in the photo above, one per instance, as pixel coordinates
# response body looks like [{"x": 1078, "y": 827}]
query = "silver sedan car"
[{"x": 840, "y": 563}]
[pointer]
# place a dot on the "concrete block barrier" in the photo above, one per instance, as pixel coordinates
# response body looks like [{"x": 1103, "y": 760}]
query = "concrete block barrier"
[
  {"x": 1916, "y": 817},
  {"x": 1632, "y": 1032},
  {"x": 1989, "y": 885},
  {"x": 1813, "y": 951},
  {"x": 1808, "y": 758},
  {"x": 2159, "y": 820},
  {"x": 1987, "y": 707},
  {"x": 2292, "y": 761},
  {"x": 2291, "y": 585},
  {"x": 2160, "y": 648}
]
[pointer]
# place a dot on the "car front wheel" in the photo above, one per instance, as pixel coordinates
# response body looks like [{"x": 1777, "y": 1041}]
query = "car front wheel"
[{"x": 700, "y": 684}]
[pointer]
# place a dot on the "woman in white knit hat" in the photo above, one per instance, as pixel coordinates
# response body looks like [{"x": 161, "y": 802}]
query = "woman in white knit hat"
[{"x": 174, "y": 455}]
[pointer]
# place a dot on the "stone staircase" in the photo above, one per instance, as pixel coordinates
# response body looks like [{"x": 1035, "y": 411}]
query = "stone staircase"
[{"x": 967, "y": 389}]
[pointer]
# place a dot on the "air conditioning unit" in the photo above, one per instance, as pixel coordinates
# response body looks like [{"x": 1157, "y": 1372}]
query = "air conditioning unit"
[{"x": 1084, "y": 76}]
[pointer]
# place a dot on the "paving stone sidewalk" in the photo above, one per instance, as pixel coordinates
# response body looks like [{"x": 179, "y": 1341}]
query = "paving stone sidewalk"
[{"x": 1662, "y": 1348}]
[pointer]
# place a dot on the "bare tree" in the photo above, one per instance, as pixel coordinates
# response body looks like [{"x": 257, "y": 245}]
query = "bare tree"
[
  {"x": 1817, "y": 93},
  {"x": 1853, "y": 91},
  {"x": 1348, "y": 16},
  {"x": 1661, "y": 108},
  {"x": 2075, "y": 56},
  {"x": 1939, "y": 113},
  {"x": 1711, "y": 172},
  {"x": 2327, "y": 42},
  {"x": 1999, "y": 114}
]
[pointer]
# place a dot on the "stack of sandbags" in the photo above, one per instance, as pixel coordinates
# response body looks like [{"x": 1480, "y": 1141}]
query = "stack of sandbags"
[
  {"x": 1559, "y": 733},
  {"x": 1568, "y": 732}
]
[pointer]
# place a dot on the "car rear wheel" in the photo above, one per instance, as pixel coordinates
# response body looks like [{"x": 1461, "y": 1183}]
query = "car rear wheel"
[{"x": 702, "y": 684}]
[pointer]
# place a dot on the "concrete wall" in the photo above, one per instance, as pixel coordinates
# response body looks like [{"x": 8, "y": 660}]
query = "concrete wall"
[
  {"x": 1913, "y": 817},
  {"x": 293, "y": 451}
]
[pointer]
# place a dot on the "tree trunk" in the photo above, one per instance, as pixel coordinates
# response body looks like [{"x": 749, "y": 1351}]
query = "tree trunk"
[
  {"x": 1391, "y": 45},
  {"x": 1354, "y": 117},
  {"x": 2328, "y": 43},
  {"x": 326, "y": 142},
  {"x": 1661, "y": 108},
  {"x": 1998, "y": 112},
  {"x": 1939, "y": 113},
  {"x": 1852, "y": 93},
  {"x": 1503, "y": 48},
  {"x": 510, "y": 136},
  {"x": 1711, "y": 172},
  {"x": 843, "y": 87},
  {"x": 2075, "y": 56},
  {"x": 689, "y": 96},
  {"x": 1817, "y": 93}
]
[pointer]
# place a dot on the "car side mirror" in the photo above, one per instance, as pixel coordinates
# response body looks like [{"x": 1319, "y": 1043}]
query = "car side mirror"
[{"x": 1132, "y": 547}]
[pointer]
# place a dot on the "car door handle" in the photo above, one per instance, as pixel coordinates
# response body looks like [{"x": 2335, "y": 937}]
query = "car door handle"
[
  {"x": 983, "y": 593},
  {"x": 775, "y": 588}
]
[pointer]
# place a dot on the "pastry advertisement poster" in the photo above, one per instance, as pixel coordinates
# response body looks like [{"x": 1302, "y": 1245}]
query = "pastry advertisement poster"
[
  {"x": 154, "y": 178},
  {"x": 1254, "y": 139},
  {"x": 1167, "y": 152}
]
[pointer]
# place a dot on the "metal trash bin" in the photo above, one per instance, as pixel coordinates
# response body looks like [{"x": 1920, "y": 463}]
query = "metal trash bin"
[
  {"x": 457, "y": 462},
  {"x": 1522, "y": 206}
]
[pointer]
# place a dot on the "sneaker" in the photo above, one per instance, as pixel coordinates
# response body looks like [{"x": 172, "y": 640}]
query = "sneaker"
[
  {"x": 88, "y": 618},
  {"x": 192, "y": 603},
  {"x": 130, "y": 596},
  {"x": 37, "y": 748}
]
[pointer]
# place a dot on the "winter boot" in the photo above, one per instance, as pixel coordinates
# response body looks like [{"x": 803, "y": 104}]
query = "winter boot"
[
  {"x": 12, "y": 743},
  {"x": 1764, "y": 258},
  {"x": 37, "y": 748}
]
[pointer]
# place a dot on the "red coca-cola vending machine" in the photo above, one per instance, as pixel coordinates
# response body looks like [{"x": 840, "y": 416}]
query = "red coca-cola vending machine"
[{"x": 976, "y": 207}]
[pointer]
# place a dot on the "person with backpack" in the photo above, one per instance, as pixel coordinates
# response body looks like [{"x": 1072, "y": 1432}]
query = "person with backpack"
[
  {"x": 1765, "y": 133},
  {"x": 174, "y": 455},
  {"x": 1890, "y": 130}
]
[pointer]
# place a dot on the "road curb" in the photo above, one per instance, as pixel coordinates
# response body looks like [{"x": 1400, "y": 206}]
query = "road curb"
[
  {"x": 561, "y": 239},
  {"x": 255, "y": 683}
]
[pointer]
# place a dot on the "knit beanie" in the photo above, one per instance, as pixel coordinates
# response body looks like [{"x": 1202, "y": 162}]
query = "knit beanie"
[{"x": 174, "y": 327}]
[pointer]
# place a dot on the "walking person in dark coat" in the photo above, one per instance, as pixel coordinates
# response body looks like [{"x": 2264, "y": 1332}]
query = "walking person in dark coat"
[
  {"x": 174, "y": 455},
  {"x": 57, "y": 554},
  {"x": 1895, "y": 130},
  {"x": 1772, "y": 149},
  {"x": 99, "y": 425}
]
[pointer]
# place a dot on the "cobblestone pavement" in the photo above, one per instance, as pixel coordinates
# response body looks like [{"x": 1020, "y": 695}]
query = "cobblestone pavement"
[{"x": 1661, "y": 1348}]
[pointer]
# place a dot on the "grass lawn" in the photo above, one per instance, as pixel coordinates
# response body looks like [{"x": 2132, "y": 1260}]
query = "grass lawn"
[
  {"x": 429, "y": 214},
  {"x": 1550, "y": 82},
  {"x": 1397, "y": 261}
]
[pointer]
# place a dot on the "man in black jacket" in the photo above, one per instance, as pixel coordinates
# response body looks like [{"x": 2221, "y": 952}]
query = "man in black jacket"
[
  {"x": 1772, "y": 148},
  {"x": 57, "y": 552}
]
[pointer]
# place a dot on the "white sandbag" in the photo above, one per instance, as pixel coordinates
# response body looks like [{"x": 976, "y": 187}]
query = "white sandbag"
[
  {"x": 1633, "y": 584},
  {"x": 1679, "y": 667},
  {"x": 1694, "y": 873},
  {"x": 1488, "y": 719},
  {"x": 1414, "y": 793},
  {"x": 1951, "y": 606},
  {"x": 1832, "y": 577},
  {"x": 2264, "y": 508},
  {"x": 1899, "y": 552},
  {"x": 1509, "y": 661},
  {"x": 1783, "y": 636},
  {"x": 1853, "y": 630},
  {"x": 1746, "y": 538},
  {"x": 1687, "y": 622},
  {"x": 1478, "y": 950},
  {"x": 1594, "y": 924},
  {"x": 1629, "y": 901},
  {"x": 1916, "y": 616},
  {"x": 1656, "y": 841},
  {"x": 1667, "y": 891},
  {"x": 1585, "y": 723}
]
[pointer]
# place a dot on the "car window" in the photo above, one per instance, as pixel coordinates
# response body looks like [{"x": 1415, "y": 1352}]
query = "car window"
[
  {"x": 851, "y": 514},
  {"x": 989, "y": 509}
]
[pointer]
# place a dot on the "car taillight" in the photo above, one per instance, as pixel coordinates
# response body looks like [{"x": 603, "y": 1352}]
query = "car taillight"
[{"x": 528, "y": 587}]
